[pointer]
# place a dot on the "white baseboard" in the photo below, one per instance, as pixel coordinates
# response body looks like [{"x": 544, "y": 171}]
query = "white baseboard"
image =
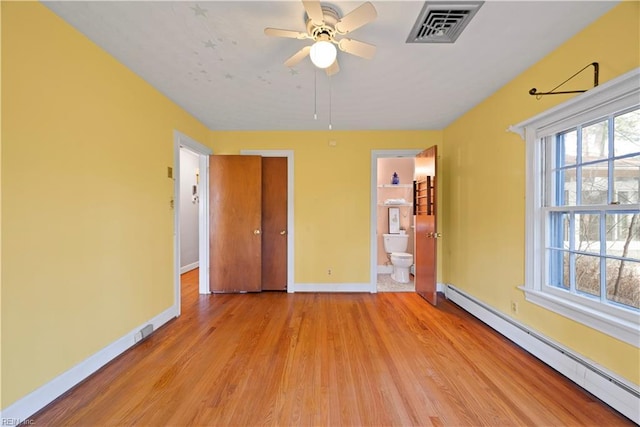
[
  {"x": 41, "y": 397},
  {"x": 332, "y": 287},
  {"x": 189, "y": 267},
  {"x": 384, "y": 269},
  {"x": 617, "y": 392}
]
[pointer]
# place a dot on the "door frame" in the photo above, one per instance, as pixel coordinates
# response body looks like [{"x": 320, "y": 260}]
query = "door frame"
[
  {"x": 203, "y": 152},
  {"x": 290, "y": 231},
  {"x": 373, "y": 254}
]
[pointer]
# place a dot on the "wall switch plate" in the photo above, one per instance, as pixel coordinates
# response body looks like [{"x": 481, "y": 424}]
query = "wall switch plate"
[{"x": 170, "y": 172}]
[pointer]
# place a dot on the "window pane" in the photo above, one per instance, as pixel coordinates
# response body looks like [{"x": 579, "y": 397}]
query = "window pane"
[
  {"x": 588, "y": 274},
  {"x": 567, "y": 188},
  {"x": 626, "y": 138},
  {"x": 595, "y": 142},
  {"x": 560, "y": 231},
  {"x": 559, "y": 269},
  {"x": 623, "y": 235},
  {"x": 623, "y": 282},
  {"x": 626, "y": 180},
  {"x": 588, "y": 233},
  {"x": 595, "y": 184},
  {"x": 567, "y": 148}
]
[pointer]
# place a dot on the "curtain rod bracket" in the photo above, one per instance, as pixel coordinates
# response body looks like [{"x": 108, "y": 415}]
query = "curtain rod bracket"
[{"x": 596, "y": 71}]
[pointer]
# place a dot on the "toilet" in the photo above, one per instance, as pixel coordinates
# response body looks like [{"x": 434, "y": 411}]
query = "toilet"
[{"x": 395, "y": 246}]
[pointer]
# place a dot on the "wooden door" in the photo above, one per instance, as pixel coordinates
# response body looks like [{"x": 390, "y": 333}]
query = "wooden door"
[
  {"x": 274, "y": 223},
  {"x": 425, "y": 200},
  {"x": 235, "y": 217}
]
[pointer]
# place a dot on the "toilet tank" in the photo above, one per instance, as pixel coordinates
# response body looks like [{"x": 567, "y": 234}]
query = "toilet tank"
[{"x": 395, "y": 242}]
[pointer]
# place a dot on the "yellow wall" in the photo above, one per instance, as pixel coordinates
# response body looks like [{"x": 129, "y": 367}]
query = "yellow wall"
[
  {"x": 484, "y": 180},
  {"x": 87, "y": 231},
  {"x": 332, "y": 199}
]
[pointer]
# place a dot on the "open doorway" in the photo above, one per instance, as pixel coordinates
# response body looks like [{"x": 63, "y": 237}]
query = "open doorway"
[
  {"x": 391, "y": 217},
  {"x": 191, "y": 225},
  {"x": 188, "y": 204}
]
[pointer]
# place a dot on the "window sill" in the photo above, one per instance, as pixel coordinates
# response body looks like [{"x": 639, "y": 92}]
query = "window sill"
[{"x": 626, "y": 330}]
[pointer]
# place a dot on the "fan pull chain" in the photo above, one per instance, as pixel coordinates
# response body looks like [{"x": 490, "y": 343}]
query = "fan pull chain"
[
  {"x": 315, "y": 95},
  {"x": 330, "y": 103}
]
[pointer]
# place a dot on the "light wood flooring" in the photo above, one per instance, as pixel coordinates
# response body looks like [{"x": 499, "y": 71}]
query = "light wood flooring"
[{"x": 322, "y": 359}]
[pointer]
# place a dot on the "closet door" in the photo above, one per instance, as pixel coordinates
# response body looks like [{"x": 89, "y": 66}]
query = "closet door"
[
  {"x": 274, "y": 223},
  {"x": 235, "y": 216}
]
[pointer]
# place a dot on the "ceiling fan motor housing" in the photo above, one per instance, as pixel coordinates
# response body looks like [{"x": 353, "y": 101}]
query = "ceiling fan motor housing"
[{"x": 327, "y": 30}]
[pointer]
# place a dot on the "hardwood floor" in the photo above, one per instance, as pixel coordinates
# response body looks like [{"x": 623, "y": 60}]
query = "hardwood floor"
[{"x": 312, "y": 359}]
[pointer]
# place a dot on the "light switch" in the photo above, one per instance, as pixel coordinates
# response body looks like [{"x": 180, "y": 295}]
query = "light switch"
[{"x": 170, "y": 172}]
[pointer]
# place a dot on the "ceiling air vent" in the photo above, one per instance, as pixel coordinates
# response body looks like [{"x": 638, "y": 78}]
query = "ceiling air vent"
[{"x": 442, "y": 21}]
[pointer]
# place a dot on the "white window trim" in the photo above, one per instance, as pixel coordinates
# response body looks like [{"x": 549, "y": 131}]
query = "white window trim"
[{"x": 617, "y": 94}]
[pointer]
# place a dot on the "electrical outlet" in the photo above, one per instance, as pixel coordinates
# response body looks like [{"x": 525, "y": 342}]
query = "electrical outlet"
[
  {"x": 514, "y": 307},
  {"x": 329, "y": 272}
]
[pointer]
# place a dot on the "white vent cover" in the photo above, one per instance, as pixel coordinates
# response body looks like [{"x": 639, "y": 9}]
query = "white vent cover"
[{"x": 442, "y": 21}]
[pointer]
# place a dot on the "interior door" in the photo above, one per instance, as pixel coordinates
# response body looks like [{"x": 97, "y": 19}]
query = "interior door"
[
  {"x": 235, "y": 216},
  {"x": 425, "y": 201},
  {"x": 274, "y": 223}
]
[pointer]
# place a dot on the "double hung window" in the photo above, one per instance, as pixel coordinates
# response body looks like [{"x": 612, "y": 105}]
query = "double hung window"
[{"x": 583, "y": 208}]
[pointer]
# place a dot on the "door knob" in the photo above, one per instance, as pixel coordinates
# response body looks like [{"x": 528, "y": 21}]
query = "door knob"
[
  {"x": 283, "y": 232},
  {"x": 256, "y": 231}
]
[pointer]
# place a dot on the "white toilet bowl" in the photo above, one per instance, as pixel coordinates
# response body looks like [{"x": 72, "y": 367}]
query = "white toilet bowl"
[
  {"x": 401, "y": 261},
  {"x": 395, "y": 246}
]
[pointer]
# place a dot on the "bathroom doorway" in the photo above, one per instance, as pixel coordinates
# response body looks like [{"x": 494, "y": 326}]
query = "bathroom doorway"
[{"x": 391, "y": 215}]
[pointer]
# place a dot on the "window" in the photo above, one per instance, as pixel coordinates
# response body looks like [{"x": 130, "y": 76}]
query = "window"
[{"x": 583, "y": 208}]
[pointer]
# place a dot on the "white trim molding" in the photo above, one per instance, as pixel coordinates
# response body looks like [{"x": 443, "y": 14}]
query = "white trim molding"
[
  {"x": 617, "y": 94},
  {"x": 615, "y": 391},
  {"x": 41, "y": 397}
]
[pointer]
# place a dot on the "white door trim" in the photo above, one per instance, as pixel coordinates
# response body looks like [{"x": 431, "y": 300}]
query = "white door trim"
[
  {"x": 373, "y": 254},
  {"x": 203, "y": 152},
  {"x": 290, "y": 231}
]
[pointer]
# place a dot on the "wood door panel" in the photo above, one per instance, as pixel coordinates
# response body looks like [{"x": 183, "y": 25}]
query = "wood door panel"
[
  {"x": 274, "y": 223},
  {"x": 425, "y": 224},
  {"x": 235, "y": 216}
]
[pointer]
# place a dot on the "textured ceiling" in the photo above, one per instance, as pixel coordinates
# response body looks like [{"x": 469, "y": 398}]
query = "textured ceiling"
[{"x": 213, "y": 59}]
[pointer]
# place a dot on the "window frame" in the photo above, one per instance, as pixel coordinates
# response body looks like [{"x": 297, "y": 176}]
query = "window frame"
[{"x": 613, "y": 96}]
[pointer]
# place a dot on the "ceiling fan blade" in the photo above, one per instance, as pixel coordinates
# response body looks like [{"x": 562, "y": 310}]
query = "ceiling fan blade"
[
  {"x": 358, "y": 17},
  {"x": 354, "y": 47},
  {"x": 314, "y": 11},
  {"x": 298, "y": 56},
  {"x": 276, "y": 32},
  {"x": 333, "y": 68}
]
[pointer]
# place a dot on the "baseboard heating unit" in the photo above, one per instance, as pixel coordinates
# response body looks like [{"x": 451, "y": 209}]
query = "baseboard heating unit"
[{"x": 617, "y": 392}]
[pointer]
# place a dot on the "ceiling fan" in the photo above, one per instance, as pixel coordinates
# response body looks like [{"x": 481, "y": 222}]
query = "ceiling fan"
[{"x": 324, "y": 24}]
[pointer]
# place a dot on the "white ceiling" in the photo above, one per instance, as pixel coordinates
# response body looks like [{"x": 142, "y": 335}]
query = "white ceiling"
[{"x": 213, "y": 59}]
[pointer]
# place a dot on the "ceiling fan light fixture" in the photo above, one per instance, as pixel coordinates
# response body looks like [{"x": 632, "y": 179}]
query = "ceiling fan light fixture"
[{"x": 323, "y": 54}]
